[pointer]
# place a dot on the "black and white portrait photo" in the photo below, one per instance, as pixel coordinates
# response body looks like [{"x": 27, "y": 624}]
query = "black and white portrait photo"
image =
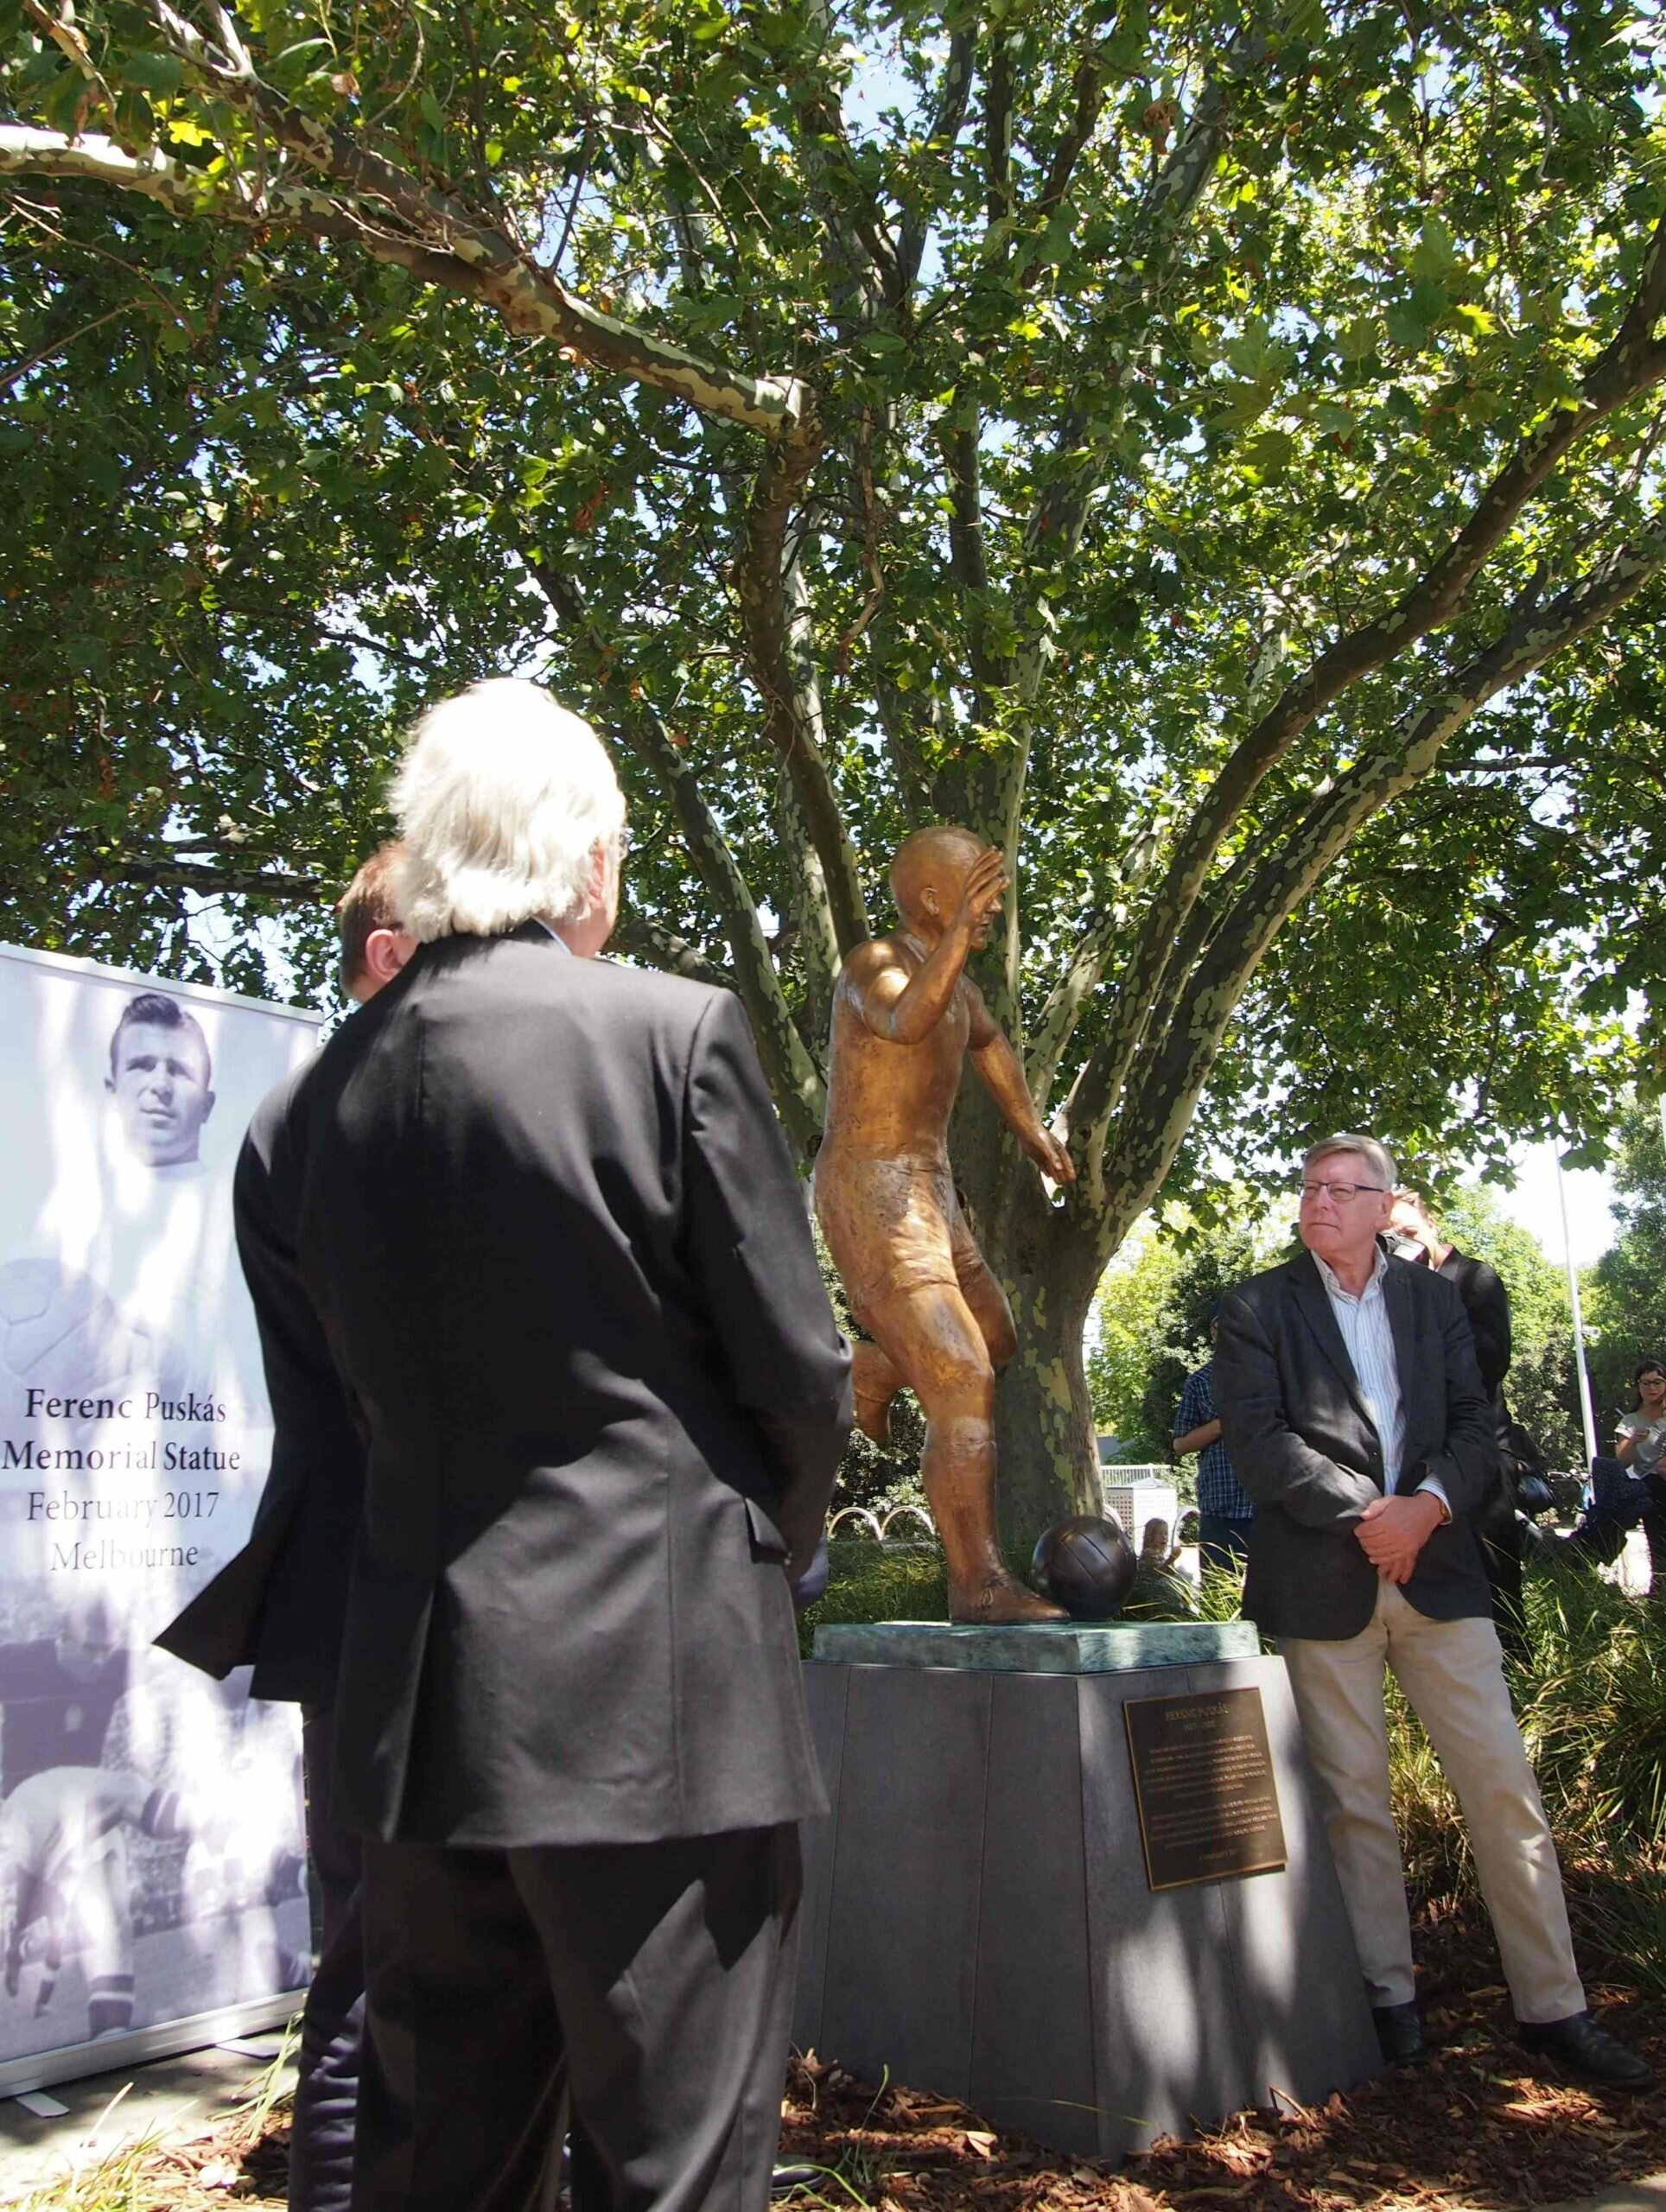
[
  {"x": 160, "y": 1081},
  {"x": 150, "y": 1821}
]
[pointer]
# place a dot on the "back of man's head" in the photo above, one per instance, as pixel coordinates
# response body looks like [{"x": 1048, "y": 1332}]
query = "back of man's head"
[
  {"x": 503, "y": 800},
  {"x": 369, "y": 903}
]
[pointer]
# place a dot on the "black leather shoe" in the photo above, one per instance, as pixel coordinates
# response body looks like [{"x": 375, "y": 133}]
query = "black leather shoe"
[
  {"x": 1580, "y": 2047},
  {"x": 1400, "y": 2034}
]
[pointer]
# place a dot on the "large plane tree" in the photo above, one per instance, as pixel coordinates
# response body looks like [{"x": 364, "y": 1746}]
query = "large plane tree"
[{"x": 1211, "y": 449}]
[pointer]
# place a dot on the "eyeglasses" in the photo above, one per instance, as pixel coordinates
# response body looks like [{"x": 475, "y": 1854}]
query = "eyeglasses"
[{"x": 1344, "y": 1193}]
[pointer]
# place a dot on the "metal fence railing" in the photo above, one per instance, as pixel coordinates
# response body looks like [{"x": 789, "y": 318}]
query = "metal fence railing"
[{"x": 878, "y": 1527}]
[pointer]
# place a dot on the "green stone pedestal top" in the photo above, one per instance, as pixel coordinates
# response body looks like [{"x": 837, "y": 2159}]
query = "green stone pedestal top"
[{"x": 1070, "y": 1648}]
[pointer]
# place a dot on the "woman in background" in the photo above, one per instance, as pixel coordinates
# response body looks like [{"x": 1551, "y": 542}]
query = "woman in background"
[{"x": 1640, "y": 1442}]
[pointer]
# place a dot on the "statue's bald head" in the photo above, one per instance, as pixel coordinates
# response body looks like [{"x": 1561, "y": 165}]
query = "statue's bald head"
[{"x": 937, "y": 858}]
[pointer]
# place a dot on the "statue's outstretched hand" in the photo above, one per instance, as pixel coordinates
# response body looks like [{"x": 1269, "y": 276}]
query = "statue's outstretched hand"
[{"x": 1049, "y": 1154}]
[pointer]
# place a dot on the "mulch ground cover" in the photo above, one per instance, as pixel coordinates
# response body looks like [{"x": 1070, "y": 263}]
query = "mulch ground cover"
[{"x": 1483, "y": 2126}]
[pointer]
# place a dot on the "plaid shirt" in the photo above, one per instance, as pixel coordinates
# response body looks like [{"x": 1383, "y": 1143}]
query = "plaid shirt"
[{"x": 1218, "y": 1486}]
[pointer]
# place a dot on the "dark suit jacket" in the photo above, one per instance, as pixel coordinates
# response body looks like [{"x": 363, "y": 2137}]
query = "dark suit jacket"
[
  {"x": 563, "y": 1263},
  {"x": 1308, "y": 1452},
  {"x": 280, "y": 1604},
  {"x": 1487, "y": 1304}
]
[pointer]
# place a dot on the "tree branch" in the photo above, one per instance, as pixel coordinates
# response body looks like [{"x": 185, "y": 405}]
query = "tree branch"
[
  {"x": 1631, "y": 364},
  {"x": 957, "y": 440},
  {"x": 1056, "y": 1021},
  {"x": 61, "y": 345},
  {"x": 346, "y": 192},
  {"x": 954, "y": 99},
  {"x": 761, "y": 577},
  {"x": 846, "y": 204},
  {"x": 62, "y": 31},
  {"x": 1168, "y": 1091},
  {"x": 1055, "y": 529},
  {"x": 1087, "y": 104},
  {"x": 912, "y": 722},
  {"x": 253, "y": 881},
  {"x": 655, "y": 946},
  {"x": 817, "y": 937},
  {"x": 998, "y": 130},
  {"x": 794, "y": 1080}
]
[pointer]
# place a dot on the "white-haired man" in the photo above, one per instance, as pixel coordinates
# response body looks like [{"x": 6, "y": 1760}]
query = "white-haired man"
[
  {"x": 564, "y": 1266},
  {"x": 1353, "y": 1408}
]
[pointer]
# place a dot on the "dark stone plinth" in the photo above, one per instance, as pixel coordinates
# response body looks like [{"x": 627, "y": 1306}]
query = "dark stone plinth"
[
  {"x": 977, "y": 1920},
  {"x": 1064, "y": 1648}
]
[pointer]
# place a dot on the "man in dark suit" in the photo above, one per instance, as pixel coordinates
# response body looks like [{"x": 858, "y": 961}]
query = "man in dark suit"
[
  {"x": 280, "y": 1604},
  {"x": 564, "y": 1265},
  {"x": 1353, "y": 1408},
  {"x": 1486, "y": 1302}
]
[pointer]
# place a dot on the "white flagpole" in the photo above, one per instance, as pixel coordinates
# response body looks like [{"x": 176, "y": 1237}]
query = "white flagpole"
[{"x": 1586, "y": 1412}]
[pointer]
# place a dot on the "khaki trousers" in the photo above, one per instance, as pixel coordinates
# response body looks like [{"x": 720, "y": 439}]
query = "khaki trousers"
[{"x": 1453, "y": 1677}]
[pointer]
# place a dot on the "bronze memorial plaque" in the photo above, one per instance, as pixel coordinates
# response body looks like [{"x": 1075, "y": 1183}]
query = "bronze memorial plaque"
[{"x": 1204, "y": 1783}]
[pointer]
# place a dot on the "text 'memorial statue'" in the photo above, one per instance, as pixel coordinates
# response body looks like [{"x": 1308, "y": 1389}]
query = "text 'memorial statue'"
[{"x": 904, "y": 1016}]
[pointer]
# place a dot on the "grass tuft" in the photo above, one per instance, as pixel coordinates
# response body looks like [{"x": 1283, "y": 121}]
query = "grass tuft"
[{"x": 235, "y": 2165}]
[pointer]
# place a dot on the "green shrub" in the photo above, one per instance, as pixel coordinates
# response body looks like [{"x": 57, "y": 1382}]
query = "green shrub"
[{"x": 879, "y": 1582}]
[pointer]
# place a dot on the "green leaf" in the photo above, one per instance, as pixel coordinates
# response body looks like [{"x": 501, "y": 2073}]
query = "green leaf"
[
  {"x": 1435, "y": 257},
  {"x": 1407, "y": 325},
  {"x": 135, "y": 124},
  {"x": 1270, "y": 455},
  {"x": 153, "y": 72},
  {"x": 1239, "y": 404},
  {"x": 1358, "y": 339}
]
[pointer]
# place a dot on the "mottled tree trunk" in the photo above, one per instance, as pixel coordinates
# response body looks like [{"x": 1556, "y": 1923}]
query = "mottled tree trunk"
[
  {"x": 1049, "y": 1461},
  {"x": 1049, "y": 1265}
]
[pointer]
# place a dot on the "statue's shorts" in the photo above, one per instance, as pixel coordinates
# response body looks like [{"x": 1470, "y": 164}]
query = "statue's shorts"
[{"x": 893, "y": 1226}]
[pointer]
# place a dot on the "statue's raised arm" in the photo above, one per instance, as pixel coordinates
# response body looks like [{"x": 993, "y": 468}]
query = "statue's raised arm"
[{"x": 904, "y": 1016}]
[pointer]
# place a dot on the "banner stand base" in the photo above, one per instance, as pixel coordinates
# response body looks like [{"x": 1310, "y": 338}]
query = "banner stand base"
[{"x": 168, "y": 2039}]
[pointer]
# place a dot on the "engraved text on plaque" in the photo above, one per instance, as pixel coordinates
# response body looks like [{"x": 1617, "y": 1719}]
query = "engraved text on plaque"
[{"x": 1204, "y": 1783}]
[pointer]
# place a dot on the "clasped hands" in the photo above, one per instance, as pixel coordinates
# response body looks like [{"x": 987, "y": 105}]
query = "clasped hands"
[{"x": 1393, "y": 1530}]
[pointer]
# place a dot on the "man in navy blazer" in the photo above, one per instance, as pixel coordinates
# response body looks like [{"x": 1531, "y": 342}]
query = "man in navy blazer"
[{"x": 1353, "y": 1410}]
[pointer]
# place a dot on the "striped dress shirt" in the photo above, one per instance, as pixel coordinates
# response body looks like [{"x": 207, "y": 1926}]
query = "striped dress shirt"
[
  {"x": 1364, "y": 1322},
  {"x": 1369, "y": 1336}
]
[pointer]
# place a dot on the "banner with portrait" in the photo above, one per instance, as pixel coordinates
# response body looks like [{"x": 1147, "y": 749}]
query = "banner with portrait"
[{"x": 152, "y": 1861}]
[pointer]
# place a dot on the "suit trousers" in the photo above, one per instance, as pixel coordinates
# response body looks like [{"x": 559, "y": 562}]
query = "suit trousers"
[
  {"x": 1452, "y": 1672},
  {"x": 333, "y": 2019},
  {"x": 649, "y": 1985}
]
